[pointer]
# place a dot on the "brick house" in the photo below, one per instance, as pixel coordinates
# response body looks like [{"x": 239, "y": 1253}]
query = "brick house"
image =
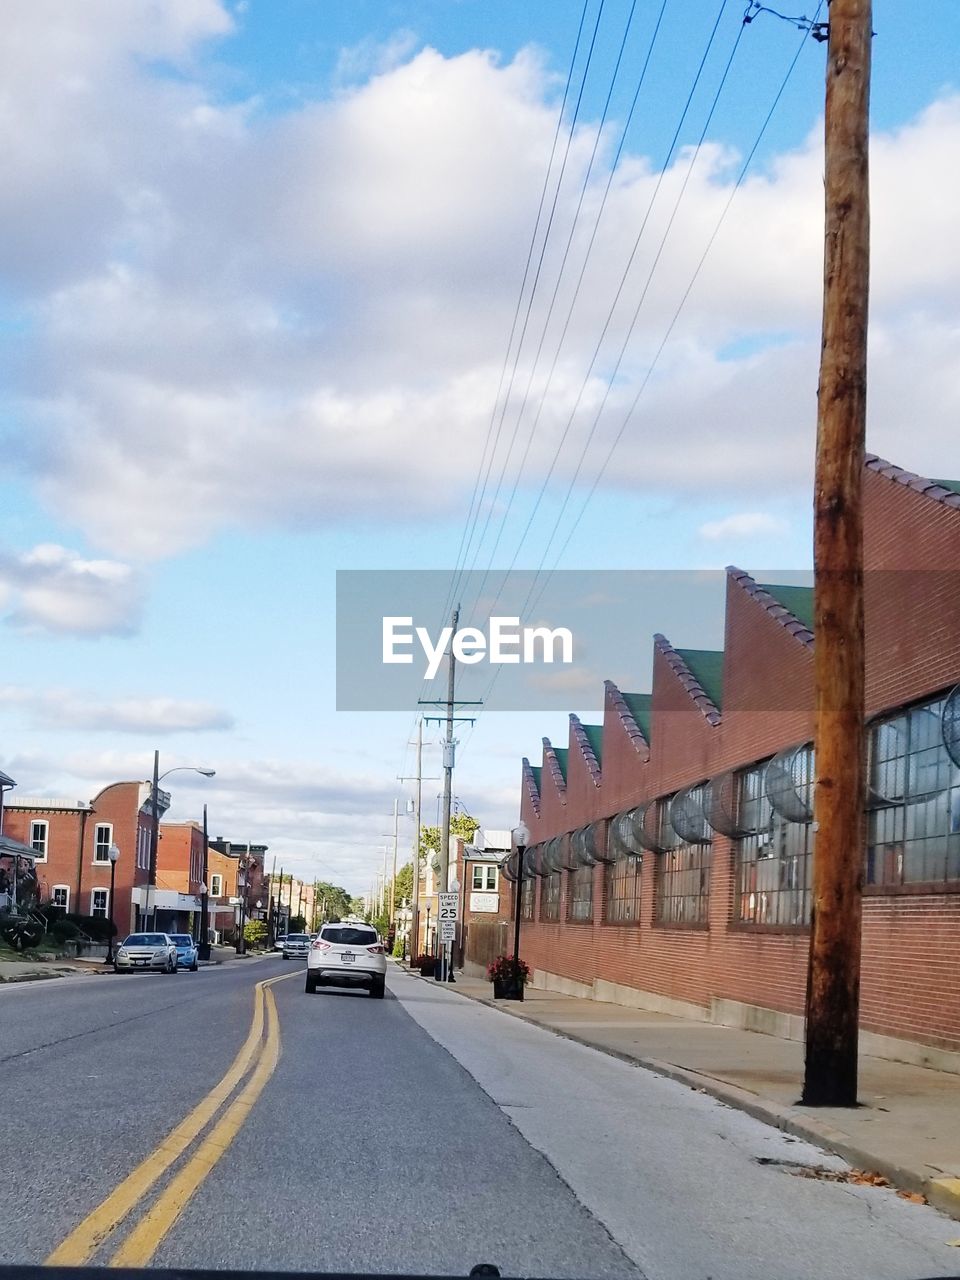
[
  {"x": 71, "y": 841},
  {"x": 671, "y": 842}
]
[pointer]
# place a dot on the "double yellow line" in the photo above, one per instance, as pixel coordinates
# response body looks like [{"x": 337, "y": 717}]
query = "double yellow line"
[{"x": 143, "y": 1241}]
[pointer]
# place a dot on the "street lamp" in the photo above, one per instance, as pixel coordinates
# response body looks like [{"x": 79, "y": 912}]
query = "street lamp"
[
  {"x": 155, "y": 826},
  {"x": 521, "y": 838},
  {"x": 113, "y": 853}
]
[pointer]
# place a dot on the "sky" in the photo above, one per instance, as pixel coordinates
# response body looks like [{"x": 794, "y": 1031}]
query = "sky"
[{"x": 265, "y": 316}]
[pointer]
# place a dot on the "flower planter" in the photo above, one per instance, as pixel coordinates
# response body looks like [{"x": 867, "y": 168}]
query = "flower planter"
[{"x": 505, "y": 989}]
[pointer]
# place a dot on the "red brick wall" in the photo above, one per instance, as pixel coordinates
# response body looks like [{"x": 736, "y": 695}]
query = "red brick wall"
[{"x": 913, "y": 651}]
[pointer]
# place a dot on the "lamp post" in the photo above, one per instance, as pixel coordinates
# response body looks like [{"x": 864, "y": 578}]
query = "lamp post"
[
  {"x": 521, "y": 837},
  {"x": 203, "y": 942},
  {"x": 155, "y": 824},
  {"x": 113, "y": 853}
]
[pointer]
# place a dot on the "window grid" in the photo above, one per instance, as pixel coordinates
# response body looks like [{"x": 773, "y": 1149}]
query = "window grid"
[
  {"x": 484, "y": 878},
  {"x": 550, "y": 896},
  {"x": 60, "y": 896},
  {"x": 774, "y": 864},
  {"x": 580, "y": 894},
  {"x": 216, "y": 886},
  {"x": 683, "y": 885},
  {"x": 914, "y": 837},
  {"x": 38, "y": 838},
  {"x": 99, "y": 902},
  {"x": 621, "y": 896},
  {"x": 528, "y": 897},
  {"x": 102, "y": 840}
]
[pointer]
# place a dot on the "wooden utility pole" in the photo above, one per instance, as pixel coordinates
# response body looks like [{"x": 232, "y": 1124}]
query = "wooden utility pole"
[
  {"x": 449, "y": 748},
  {"x": 415, "y": 904},
  {"x": 833, "y": 989},
  {"x": 393, "y": 882}
]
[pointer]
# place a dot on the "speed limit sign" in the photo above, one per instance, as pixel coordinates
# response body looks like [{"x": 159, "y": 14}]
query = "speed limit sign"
[{"x": 448, "y": 907}]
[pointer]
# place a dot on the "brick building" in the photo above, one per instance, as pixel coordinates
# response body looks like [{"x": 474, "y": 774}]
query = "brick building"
[
  {"x": 71, "y": 840},
  {"x": 671, "y": 844}
]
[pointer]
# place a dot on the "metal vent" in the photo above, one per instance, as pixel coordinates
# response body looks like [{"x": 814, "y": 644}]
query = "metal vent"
[
  {"x": 687, "y": 814},
  {"x": 537, "y": 860},
  {"x": 570, "y": 860},
  {"x": 950, "y": 725},
  {"x": 622, "y": 840},
  {"x": 886, "y": 764},
  {"x": 726, "y": 807},
  {"x": 509, "y": 867},
  {"x": 651, "y": 829},
  {"x": 788, "y": 782},
  {"x": 553, "y": 855}
]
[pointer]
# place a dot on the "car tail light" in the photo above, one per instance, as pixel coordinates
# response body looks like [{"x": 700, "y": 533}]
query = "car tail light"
[
  {"x": 376, "y": 951},
  {"x": 320, "y": 946}
]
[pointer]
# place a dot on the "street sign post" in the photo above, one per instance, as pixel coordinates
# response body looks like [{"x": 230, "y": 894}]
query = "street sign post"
[{"x": 448, "y": 930}]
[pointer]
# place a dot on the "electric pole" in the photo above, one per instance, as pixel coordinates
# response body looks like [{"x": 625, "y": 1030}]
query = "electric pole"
[
  {"x": 415, "y": 905},
  {"x": 393, "y": 882},
  {"x": 449, "y": 749},
  {"x": 833, "y": 987}
]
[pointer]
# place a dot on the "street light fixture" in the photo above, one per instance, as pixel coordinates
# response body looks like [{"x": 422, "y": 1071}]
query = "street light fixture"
[
  {"x": 113, "y": 853},
  {"x": 521, "y": 838},
  {"x": 155, "y": 826}
]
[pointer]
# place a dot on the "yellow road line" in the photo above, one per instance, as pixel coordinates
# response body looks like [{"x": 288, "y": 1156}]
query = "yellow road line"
[
  {"x": 143, "y": 1242},
  {"x": 85, "y": 1239}
]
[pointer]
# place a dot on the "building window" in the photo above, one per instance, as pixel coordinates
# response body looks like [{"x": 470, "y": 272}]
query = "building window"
[
  {"x": 484, "y": 877},
  {"x": 38, "y": 839},
  {"x": 580, "y": 891},
  {"x": 913, "y": 834},
  {"x": 774, "y": 861},
  {"x": 528, "y": 897},
  {"x": 60, "y": 896},
  {"x": 550, "y": 896},
  {"x": 621, "y": 890},
  {"x": 143, "y": 848},
  {"x": 102, "y": 840},
  {"x": 99, "y": 902},
  {"x": 216, "y": 886},
  {"x": 683, "y": 887}
]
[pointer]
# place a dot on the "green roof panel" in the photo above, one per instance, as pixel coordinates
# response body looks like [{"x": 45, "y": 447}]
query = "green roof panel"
[
  {"x": 707, "y": 666},
  {"x": 954, "y": 485},
  {"x": 561, "y": 753},
  {"x": 594, "y": 734},
  {"x": 639, "y": 705},
  {"x": 799, "y": 600}
]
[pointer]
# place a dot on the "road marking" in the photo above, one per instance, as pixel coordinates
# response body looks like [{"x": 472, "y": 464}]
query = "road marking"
[
  {"x": 143, "y": 1242},
  {"x": 83, "y": 1242}
]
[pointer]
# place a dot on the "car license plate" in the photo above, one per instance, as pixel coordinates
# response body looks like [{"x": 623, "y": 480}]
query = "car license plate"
[
  {"x": 141, "y": 962},
  {"x": 347, "y": 957}
]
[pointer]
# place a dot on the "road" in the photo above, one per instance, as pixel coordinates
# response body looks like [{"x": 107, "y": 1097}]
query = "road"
[{"x": 422, "y": 1133}]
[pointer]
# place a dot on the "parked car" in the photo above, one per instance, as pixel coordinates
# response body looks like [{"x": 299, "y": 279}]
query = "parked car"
[
  {"x": 146, "y": 951},
  {"x": 347, "y": 955},
  {"x": 296, "y": 946},
  {"x": 188, "y": 955},
  {"x": 281, "y": 939}
]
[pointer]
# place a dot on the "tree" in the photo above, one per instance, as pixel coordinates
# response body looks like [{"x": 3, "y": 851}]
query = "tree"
[
  {"x": 330, "y": 900},
  {"x": 255, "y": 933},
  {"x": 298, "y": 924},
  {"x": 403, "y": 885},
  {"x": 461, "y": 825}
]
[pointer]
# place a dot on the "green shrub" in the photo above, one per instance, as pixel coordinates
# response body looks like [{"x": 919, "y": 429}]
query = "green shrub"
[{"x": 255, "y": 933}]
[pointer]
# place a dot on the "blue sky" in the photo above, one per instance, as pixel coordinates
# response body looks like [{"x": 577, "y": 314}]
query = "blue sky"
[{"x": 259, "y": 269}]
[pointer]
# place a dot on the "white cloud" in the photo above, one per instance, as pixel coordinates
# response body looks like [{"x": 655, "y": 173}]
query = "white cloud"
[
  {"x": 50, "y": 588},
  {"x": 743, "y": 524},
  {"x": 63, "y": 709},
  {"x": 292, "y": 316}
]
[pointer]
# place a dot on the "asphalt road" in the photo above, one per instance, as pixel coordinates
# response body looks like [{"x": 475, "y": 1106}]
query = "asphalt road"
[{"x": 422, "y": 1133}]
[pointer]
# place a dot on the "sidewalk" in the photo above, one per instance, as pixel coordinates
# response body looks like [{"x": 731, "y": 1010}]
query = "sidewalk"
[{"x": 907, "y": 1127}]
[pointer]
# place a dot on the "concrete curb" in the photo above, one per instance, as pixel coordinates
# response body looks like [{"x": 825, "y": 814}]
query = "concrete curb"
[{"x": 943, "y": 1193}]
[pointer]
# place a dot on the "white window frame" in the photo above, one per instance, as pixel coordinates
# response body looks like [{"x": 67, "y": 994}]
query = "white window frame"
[
  {"x": 53, "y": 894},
  {"x": 216, "y": 879},
  {"x": 97, "y": 843},
  {"x": 488, "y": 871},
  {"x": 43, "y": 839},
  {"x": 106, "y": 903}
]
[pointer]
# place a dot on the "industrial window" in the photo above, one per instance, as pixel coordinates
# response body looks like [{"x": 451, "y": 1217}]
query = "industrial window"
[
  {"x": 774, "y": 861},
  {"x": 580, "y": 894},
  {"x": 913, "y": 834},
  {"x": 38, "y": 839},
  {"x": 216, "y": 886},
  {"x": 528, "y": 896},
  {"x": 102, "y": 840},
  {"x": 550, "y": 897},
  {"x": 484, "y": 877},
  {"x": 99, "y": 901},
  {"x": 60, "y": 896},
  {"x": 621, "y": 890},
  {"x": 683, "y": 884}
]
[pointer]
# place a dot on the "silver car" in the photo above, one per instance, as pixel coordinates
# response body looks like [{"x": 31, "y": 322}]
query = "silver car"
[
  {"x": 347, "y": 954},
  {"x": 156, "y": 951},
  {"x": 296, "y": 946}
]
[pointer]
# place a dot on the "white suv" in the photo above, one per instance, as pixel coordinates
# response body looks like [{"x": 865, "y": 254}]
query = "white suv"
[{"x": 347, "y": 954}]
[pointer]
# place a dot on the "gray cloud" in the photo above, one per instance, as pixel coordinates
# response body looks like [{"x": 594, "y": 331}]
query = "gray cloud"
[
  {"x": 66, "y": 709},
  {"x": 50, "y": 588}
]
